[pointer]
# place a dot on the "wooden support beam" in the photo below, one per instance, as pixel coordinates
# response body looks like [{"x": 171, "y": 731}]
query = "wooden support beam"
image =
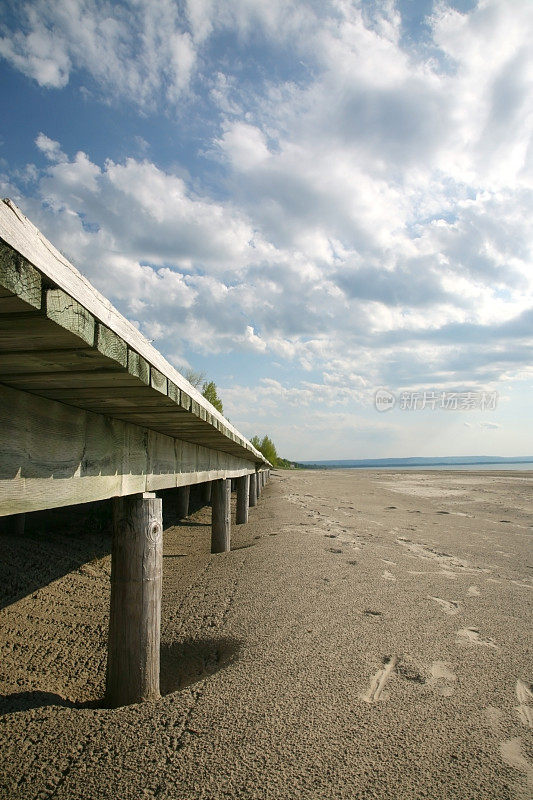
[
  {"x": 206, "y": 492},
  {"x": 253, "y": 489},
  {"x": 221, "y": 521},
  {"x": 135, "y": 615},
  {"x": 243, "y": 495},
  {"x": 183, "y": 501}
]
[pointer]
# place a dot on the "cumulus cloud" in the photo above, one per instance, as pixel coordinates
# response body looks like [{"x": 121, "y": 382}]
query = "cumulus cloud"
[{"x": 131, "y": 50}]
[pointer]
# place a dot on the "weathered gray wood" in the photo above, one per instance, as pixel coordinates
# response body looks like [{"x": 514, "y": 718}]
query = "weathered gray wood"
[
  {"x": 52, "y": 454},
  {"x": 221, "y": 521},
  {"x": 111, "y": 345},
  {"x": 19, "y": 277},
  {"x": 32, "y": 361},
  {"x": 206, "y": 492},
  {"x": 71, "y": 315},
  {"x": 253, "y": 490},
  {"x": 243, "y": 494},
  {"x": 158, "y": 381},
  {"x": 183, "y": 501},
  {"x": 135, "y": 612},
  {"x": 138, "y": 366}
]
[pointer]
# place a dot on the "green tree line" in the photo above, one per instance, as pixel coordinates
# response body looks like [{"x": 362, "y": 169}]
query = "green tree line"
[{"x": 209, "y": 390}]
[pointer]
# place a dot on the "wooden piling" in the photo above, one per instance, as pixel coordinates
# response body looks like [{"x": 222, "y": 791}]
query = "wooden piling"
[
  {"x": 243, "y": 494},
  {"x": 220, "y": 516},
  {"x": 253, "y": 490},
  {"x": 135, "y": 614},
  {"x": 206, "y": 492},
  {"x": 183, "y": 501}
]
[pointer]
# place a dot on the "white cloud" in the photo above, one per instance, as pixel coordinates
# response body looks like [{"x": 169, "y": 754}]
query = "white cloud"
[
  {"x": 131, "y": 50},
  {"x": 368, "y": 218}
]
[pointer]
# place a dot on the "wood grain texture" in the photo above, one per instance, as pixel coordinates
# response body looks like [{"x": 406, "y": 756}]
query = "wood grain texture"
[
  {"x": 19, "y": 277},
  {"x": 135, "y": 610},
  {"x": 52, "y": 454},
  {"x": 206, "y": 492},
  {"x": 60, "y": 308},
  {"x": 243, "y": 495},
  {"x": 252, "y": 497},
  {"x": 182, "y": 501},
  {"x": 221, "y": 517}
]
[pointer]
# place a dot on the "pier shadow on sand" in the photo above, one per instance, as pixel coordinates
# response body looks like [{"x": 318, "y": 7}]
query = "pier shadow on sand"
[
  {"x": 186, "y": 662},
  {"x": 61, "y": 540},
  {"x": 26, "y": 701},
  {"x": 182, "y": 664},
  {"x": 55, "y": 542}
]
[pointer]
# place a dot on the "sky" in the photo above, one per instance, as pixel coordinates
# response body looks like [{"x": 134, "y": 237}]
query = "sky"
[{"x": 308, "y": 201}]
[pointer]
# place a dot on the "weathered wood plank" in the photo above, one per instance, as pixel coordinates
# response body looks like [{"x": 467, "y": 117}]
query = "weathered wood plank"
[
  {"x": 19, "y": 276},
  {"x": 111, "y": 345},
  {"x": 36, "y": 381},
  {"x": 52, "y": 361},
  {"x": 20, "y": 332},
  {"x": 11, "y": 304},
  {"x": 139, "y": 367},
  {"x": 69, "y": 314},
  {"x": 52, "y": 454},
  {"x": 158, "y": 381}
]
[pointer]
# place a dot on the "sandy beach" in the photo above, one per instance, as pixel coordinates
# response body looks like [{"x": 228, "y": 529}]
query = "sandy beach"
[{"x": 369, "y": 636}]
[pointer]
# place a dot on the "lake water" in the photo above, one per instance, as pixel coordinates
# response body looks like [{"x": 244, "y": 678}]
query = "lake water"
[{"x": 506, "y": 467}]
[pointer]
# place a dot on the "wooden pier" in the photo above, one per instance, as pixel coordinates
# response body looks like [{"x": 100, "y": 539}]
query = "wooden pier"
[{"x": 90, "y": 410}]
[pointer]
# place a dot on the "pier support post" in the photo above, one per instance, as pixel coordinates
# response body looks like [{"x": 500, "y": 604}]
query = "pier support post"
[
  {"x": 253, "y": 489},
  {"x": 220, "y": 516},
  {"x": 183, "y": 501},
  {"x": 259, "y": 484},
  {"x": 243, "y": 494},
  {"x": 135, "y": 614},
  {"x": 206, "y": 492}
]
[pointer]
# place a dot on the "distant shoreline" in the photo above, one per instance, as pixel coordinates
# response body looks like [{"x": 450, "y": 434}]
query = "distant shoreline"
[
  {"x": 470, "y": 464},
  {"x": 519, "y": 466}
]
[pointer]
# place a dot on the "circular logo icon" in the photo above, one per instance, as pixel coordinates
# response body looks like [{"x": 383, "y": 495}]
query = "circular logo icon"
[{"x": 384, "y": 400}]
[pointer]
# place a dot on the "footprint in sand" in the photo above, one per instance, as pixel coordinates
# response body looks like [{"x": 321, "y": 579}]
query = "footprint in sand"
[
  {"x": 448, "y": 606},
  {"x": 511, "y": 753},
  {"x": 524, "y": 694},
  {"x": 392, "y": 666},
  {"x": 471, "y": 636},
  {"x": 379, "y": 681},
  {"x": 388, "y": 576},
  {"x": 442, "y": 679},
  {"x": 473, "y": 591}
]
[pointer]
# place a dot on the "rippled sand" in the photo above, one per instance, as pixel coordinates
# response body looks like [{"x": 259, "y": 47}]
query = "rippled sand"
[{"x": 369, "y": 636}]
